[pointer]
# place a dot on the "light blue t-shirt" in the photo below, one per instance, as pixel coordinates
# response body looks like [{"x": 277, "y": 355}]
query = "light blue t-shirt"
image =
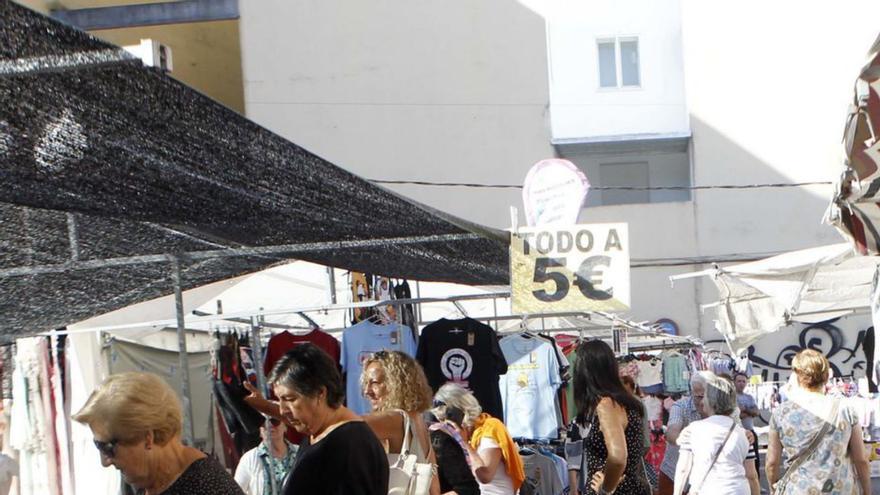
[
  {"x": 529, "y": 388},
  {"x": 359, "y": 342},
  {"x": 676, "y": 377}
]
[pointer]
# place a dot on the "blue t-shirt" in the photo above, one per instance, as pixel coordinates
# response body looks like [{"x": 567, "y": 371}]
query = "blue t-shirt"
[
  {"x": 359, "y": 342},
  {"x": 528, "y": 390}
]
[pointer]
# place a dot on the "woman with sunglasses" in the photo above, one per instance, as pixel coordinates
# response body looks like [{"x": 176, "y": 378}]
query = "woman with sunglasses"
[
  {"x": 273, "y": 458},
  {"x": 397, "y": 389},
  {"x": 136, "y": 421}
]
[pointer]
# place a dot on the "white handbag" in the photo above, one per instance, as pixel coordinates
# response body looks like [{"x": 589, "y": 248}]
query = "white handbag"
[{"x": 407, "y": 475}]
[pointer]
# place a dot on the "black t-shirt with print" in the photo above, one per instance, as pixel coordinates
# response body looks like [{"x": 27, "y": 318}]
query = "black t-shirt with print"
[{"x": 465, "y": 352}]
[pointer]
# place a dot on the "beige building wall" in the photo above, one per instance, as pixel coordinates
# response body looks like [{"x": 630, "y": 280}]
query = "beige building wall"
[
  {"x": 206, "y": 55},
  {"x": 431, "y": 91}
]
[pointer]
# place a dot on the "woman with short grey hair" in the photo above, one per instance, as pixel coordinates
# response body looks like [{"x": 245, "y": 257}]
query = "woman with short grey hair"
[{"x": 714, "y": 452}]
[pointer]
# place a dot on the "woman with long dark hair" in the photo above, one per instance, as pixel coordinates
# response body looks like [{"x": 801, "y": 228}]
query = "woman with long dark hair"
[{"x": 612, "y": 417}]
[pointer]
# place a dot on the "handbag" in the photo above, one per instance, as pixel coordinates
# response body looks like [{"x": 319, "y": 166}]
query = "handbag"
[
  {"x": 696, "y": 491},
  {"x": 408, "y": 476},
  {"x": 796, "y": 461}
]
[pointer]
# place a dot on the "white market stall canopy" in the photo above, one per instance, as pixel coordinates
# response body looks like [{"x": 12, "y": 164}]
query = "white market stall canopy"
[{"x": 807, "y": 286}]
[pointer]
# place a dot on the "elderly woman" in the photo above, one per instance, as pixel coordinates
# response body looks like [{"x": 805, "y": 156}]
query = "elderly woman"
[
  {"x": 714, "y": 455},
  {"x": 341, "y": 455},
  {"x": 398, "y": 392},
  {"x": 136, "y": 420},
  {"x": 821, "y": 438},
  {"x": 494, "y": 457}
]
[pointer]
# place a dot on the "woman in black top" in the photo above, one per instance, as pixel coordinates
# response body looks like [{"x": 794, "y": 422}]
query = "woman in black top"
[
  {"x": 613, "y": 445},
  {"x": 453, "y": 470},
  {"x": 136, "y": 421},
  {"x": 340, "y": 455}
]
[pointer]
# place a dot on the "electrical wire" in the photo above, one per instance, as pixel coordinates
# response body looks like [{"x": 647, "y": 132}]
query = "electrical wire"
[{"x": 605, "y": 188}]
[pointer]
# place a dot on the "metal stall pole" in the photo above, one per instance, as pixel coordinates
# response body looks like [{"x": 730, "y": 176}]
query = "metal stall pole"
[
  {"x": 188, "y": 436},
  {"x": 257, "y": 348},
  {"x": 331, "y": 283}
]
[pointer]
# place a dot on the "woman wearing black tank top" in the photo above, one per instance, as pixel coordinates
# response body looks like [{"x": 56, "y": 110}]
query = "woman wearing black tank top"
[{"x": 613, "y": 445}]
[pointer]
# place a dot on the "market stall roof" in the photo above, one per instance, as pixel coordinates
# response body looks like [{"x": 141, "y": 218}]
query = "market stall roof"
[
  {"x": 108, "y": 164},
  {"x": 855, "y": 208},
  {"x": 805, "y": 286}
]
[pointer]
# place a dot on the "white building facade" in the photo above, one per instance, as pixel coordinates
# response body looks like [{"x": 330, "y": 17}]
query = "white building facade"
[{"x": 658, "y": 94}]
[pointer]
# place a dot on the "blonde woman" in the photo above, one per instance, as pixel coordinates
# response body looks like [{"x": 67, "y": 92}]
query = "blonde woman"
[
  {"x": 395, "y": 385},
  {"x": 136, "y": 420},
  {"x": 821, "y": 438}
]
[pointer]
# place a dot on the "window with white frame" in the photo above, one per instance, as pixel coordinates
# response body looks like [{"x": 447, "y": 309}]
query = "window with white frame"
[{"x": 619, "y": 62}]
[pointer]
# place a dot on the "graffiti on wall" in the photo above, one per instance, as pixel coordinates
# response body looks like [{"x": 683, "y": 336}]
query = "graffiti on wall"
[{"x": 771, "y": 358}]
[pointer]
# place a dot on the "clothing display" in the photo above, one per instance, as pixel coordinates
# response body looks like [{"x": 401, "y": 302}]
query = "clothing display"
[
  {"x": 284, "y": 341},
  {"x": 348, "y": 461},
  {"x": 359, "y": 342},
  {"x": 676, "y": 376},
  {"x": 529, "y": 388},
  {"x": 241, "y": 420},
  {"x": 465, "y": 352},
  {"x": 542, "y": 475},
  {"x": 650, "y": 373}
]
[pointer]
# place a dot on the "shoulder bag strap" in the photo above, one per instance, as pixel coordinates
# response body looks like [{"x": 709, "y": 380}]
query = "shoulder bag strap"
[
  {"x": 715, "y": 457},
  {"x": 797, "y": 460},
  {"x": 407, "y": 428}
]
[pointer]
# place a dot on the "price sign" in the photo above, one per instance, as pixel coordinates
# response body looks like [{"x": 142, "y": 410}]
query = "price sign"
[{"x": 579, "y": 268}]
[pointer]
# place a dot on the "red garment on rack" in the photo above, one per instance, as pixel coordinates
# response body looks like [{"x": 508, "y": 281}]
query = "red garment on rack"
[
  {"x": 280, "y": 343},
  {"x": 278, "y": 346}
]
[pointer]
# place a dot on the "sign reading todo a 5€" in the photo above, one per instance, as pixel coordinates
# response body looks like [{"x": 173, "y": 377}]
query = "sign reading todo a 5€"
[{"x": 571, "y": 268}]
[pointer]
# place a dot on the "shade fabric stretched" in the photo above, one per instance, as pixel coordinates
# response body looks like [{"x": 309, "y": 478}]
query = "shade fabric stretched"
[{"x": 103, "y": 157}]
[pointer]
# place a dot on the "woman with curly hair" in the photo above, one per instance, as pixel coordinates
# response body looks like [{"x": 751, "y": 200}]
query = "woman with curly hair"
[{"x": 397, "y": 389}]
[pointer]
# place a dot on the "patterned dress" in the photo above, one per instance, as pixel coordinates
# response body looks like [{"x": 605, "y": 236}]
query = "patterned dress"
[
  {"x": 829, "y": 468},
  {"x": 635, "y": 481}
]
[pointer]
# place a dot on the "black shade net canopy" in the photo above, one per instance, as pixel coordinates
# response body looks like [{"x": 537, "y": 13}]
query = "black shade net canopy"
[{"x": 110, "y": 169}]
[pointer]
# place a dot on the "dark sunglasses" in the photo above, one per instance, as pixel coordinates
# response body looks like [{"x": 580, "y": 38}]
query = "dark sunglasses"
[
  {"x": 275, "y": 421},
  {"x": 107, "y": 449}
]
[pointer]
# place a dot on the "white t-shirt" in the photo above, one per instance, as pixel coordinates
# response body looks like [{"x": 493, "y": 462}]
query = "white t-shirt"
[
  {"x": 501, "y": 484},
  {"x": 654, "y": 407},
  {"x": 702, "y": 438},
  {"x": 650, "y": 373}
]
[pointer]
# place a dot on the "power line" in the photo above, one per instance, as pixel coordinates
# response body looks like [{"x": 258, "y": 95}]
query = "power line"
[{"x": 604, "y": 188}]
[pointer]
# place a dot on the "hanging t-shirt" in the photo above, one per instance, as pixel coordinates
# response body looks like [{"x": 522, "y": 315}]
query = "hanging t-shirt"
[
  {"x": 465, "y": 352},
  {"x": 542, "y": 475},
  {"x": 650, "y": 373},
  {"x": 283, "y": 342},
  {"x": 359, "y": 342},
  {"x": 676, "y": 377},
  {"x": 528, "y": 388}
]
